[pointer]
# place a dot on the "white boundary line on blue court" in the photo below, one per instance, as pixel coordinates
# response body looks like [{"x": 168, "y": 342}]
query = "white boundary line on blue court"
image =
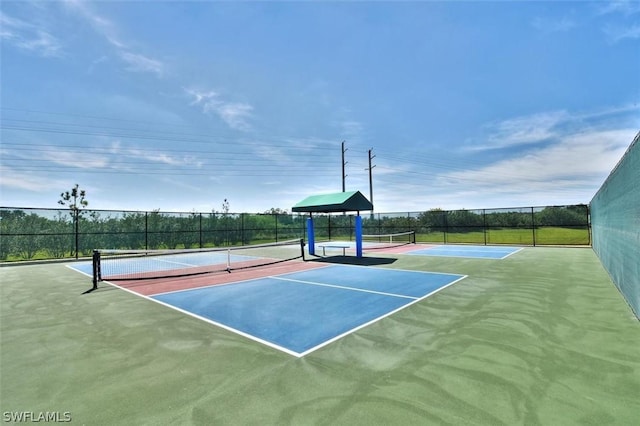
[
  {"x": 342, "y": 287},
  {"x": 282, "y": 348},
  {"x": 414, "y": 253},
  {"x": 361, "y": 326},
  {"x": 191, "y": 314},
  {"x": 236, "y": 282},
  {"x": 226, "y": 327},
  {"x": 173, "y": 262},
  {"x": 394, "y": 269}
]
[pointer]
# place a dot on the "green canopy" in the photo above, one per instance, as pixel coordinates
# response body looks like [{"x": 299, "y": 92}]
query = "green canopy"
[{"x": 336, "y": 202}]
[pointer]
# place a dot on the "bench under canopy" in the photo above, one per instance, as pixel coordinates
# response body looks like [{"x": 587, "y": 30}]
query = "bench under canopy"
[{"x": 339, "y": 202}]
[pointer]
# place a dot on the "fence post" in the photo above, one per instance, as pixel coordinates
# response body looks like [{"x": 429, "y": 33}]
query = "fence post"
[
  {"x": 200, "y": 228},
  {"x": 242, "y": 231},
  {"x": 146, "y": 230},
  {"x": 76, "y": 218},
  {"x": 484, "y": 225},
  {"x": 533, "y": 226},
  {"x": 446, "y": 226}
]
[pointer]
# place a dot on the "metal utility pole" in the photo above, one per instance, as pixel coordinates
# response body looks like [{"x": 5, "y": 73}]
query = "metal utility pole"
[
  {"x": 344, "y": 163},
  {"x": 371, "y": 157}
]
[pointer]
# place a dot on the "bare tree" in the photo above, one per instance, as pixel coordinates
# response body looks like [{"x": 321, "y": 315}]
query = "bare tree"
[{"x": 75, "y": 200}]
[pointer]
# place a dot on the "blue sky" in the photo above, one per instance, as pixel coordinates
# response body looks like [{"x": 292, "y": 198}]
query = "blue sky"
[{"x": 179, "y": 105}]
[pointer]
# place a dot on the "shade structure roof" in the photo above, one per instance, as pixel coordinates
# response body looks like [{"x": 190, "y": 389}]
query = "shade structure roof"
[{"x": 336, "y": 202}]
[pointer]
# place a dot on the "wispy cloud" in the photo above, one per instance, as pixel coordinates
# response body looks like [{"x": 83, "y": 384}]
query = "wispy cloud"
[
  {"x": 521, "y": 130},
  {"x": 528, "y": 181},
  {"x": 100, "y": 25},
  {"x": 29, "y": 37},
  {"x": 51, "y": 155},
  {"x": 140, "y": 63},
  {"x": 579, "y": 151},
  {"x": 135, "y": 61},
  {"x": 144, "y": 155},
  {"x": 625, "y": 7},
  {"x": 70, "y": 159},
  {"x": 235, "y": 114},
  {"x": 17, "y": 179},
  {"x": 551, "y": 126},
  {"x": 619, "y": 32},
  {"x": 573, "y": 155},
  {"x": 102, "y": 153},
  {"x": 621, "y": 23}
]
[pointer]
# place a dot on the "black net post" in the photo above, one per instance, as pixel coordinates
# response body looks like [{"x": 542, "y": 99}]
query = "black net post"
[{"x": 97, "y": 274}]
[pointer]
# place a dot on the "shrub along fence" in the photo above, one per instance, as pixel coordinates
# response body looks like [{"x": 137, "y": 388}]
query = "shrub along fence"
[{"x": 32, "y": 233}]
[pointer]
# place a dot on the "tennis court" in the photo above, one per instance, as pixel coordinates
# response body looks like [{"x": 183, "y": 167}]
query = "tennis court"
[
  {"x": 474, "y": 252},
  {"x": 539, "y": 337},
  {"x": 304, "y": 311},
  {"x": 296, "y": 308}
]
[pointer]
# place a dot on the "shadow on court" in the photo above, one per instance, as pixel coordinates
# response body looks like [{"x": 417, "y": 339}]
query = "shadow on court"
[{"x": 352, "y": 260}]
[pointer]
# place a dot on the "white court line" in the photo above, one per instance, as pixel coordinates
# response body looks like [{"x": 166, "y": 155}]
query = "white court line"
[
  {"x": 234, "y": 282},
  {"x": 412, "y": 301},
  {"x": 172, "y": 262},
  {"x": 361, "y": 326},
  {"x": 344, "y": 287},
  {"x": 222, "y": 256},
  {"x": 447, "y": 252},
  {"x": 513, "y": 252},
  {"x": 205, "y": 319},
  {"x": 160, "y": 261}
]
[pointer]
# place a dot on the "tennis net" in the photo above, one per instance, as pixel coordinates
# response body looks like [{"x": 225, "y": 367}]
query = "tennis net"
[
  {"x": 114, "y": 265},
  {"x": 388, "y": 240}
]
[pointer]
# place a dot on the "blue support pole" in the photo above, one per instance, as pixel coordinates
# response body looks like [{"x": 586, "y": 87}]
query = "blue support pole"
[
  {"x": 311, "y": 236},
  {"x": 358, "y": 235}
]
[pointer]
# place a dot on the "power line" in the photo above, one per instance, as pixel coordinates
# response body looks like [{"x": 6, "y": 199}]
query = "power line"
[
  {"x": 153, "y": 137},
  {"x": 246, "y": 163},
  {"x": 277, "y": 172},
  {"x": 167, "y": 157}
]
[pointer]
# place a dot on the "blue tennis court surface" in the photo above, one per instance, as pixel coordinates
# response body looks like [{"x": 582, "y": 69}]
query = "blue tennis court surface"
[
  {"x": 164, "y": 263},
  {"x": 302, "y": 311},
  {"x": 478, "y": 252}
]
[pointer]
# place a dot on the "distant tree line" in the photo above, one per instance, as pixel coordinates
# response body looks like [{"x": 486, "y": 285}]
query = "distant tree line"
[
  {"x": 27, "y": 234},
  {"x": 461, "y": 220},
  {"x": 37, "y": 233}
]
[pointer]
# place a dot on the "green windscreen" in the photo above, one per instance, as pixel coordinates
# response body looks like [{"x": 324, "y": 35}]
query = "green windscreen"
[{"x": 615, "y": 222}]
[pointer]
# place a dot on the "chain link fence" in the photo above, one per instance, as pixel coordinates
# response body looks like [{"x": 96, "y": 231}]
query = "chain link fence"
[{"x": 32, "y": 233}]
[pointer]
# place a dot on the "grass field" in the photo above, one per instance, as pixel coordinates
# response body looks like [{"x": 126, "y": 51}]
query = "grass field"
[
  {"x": 540, "y": 338},
  {"x": 517, "y": 236}
]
